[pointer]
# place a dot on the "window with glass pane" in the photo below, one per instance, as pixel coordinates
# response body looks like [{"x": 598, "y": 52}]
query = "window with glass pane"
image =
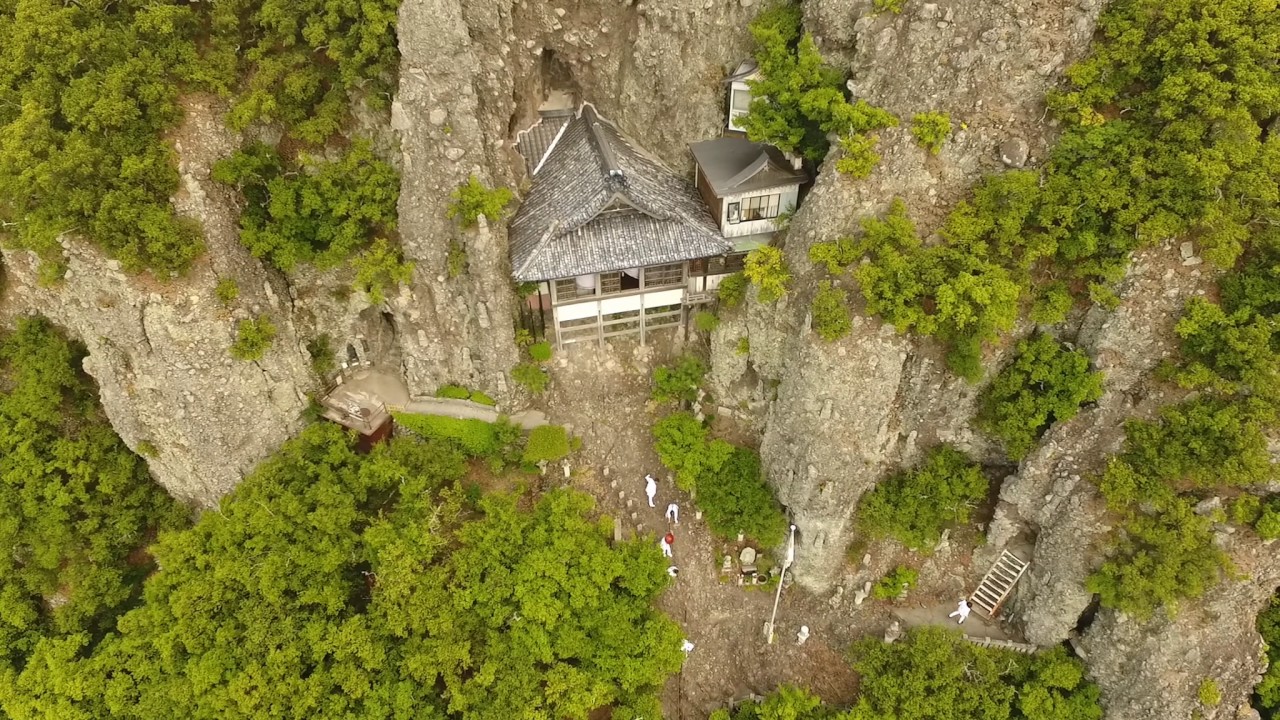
[
  {"x": 741, "y": 100},
  {"x": 761, "y": 207},
  {"x": 660, "y": 275}
]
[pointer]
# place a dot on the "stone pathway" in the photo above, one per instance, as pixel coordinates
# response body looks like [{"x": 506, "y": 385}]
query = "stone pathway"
[{"x": 363, "y": 386}]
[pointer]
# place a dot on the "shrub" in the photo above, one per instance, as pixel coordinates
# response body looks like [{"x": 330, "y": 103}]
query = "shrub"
[
  {"x": 1268, "y": 523},
  {"x": 830, "y": 312},
  {"x": 540, "y": 352},
  {"x": 732, "y": 290},
  {"x": 1052, "y": 303},
  {"x": 798, "y": 98},
  {"x": 930, "y": 129},
  {"x": 226, "y": 291},
  {"x": 935, "y": 673},
  {"x": 735, "y": 497},
  {"x": 1209, "y": 693},
  {"x": 893, "y": 6},
  {"x": 744, "y": 346},
  {"x": 766, "y": 269},
  {"x": 379, "y": 267},
  {"x": 532, "y": 376},
  {"x": 453, "y": 392},
  {"x": 483, "y": 399},
  {"x": 549, "y": 443},
  {"x": 679, "y": 382},
  {"x": 1159, "y": 559},
  {"x": 859, "y": 156},
  {"x": 1045, "y": 383},
  {"x": 1228, "y": 353},
  {"x": 1245, "y": 510},
  {"x": 253, "y": 337},
  {"x": 320, "y": 349},
  {"x": 705, "y": 321},
  {"x": 321, "y": 212},
  {"x": 681, "y": 443},
  {"x": 148, "y": 449},
  {"x": 914, "y": 506},
  {"x": 475, "y": 438},
  {"x": 788, "y": 702},
  {"x": 472, "y": 199},
  {"x": 455, "y": 259},
  {"x": 1267, "y": 692},
  {"x": 836, "y": 255},
  {"x": 895, "y": 583}
]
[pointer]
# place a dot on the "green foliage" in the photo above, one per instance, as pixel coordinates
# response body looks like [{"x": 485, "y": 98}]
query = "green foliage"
[
  {"x": 1163, "y": 137},
  {"x": 836, "y": 255},
  {"x": 1267, "y": 692},
  {"x": 87, "y": 93},
  {"x": 1268, "y": 523},
  {"x": 895, "y": 583},
  {"x": 859, "y": 156},
  {"x": 531, "y": 376},
  {"x": 1159, "y": 559},
  {"x": 475, "y": 438},
  {"x": 1209, "y": 694},
  {"x": 705, "y": 321},
  {"x": 915, "y": 506},
  {"x": 786, "y": 703},
  {"x": 893, "y": 6},
  {"x": 453, "y": 392},
  {"x": 765, "y": 268},
  {"x": 75, "y": 504},
  {"x": 549, "y": 443},
  {"x": 735, "y": 497},
  {"x": 320, "y": 349},
  {"x": 321, "y": 213},
  {"x": 679, "y": 382},
  {"x": 947, "y": 290},
  {"x": 830, "y": 311},
  {"x": 302, "y": 60},
  {"x": 1245, "y": 510},
  {"x": 731, "y": 489},
  {"x": 744, "y": 346},
  {"x": 1255, "y": 285},
  {"x": 455, "y": 259},
  {"x": 1052, "y": 303},
  {"x": 937, "y": 674},
  {"x": 732, "y": 290},
  {"x": 931, "y": 129},
  {"x": 1045, "y": 383},
  {"x": 1203, "y": 442},
  {"x": 226, "y": 291},
  {"x": 378, "y": 267},
  {"x": 472, "y": 199},
  {"x": 798, "y": 98},
  {"x": 253, "y": 337},
  {"x": 540, "y": 352},
  {"x": 1229, "y": 353}
]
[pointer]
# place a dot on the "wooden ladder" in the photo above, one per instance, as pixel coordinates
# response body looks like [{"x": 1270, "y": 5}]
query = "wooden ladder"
[{"x": 997, "y": 584}]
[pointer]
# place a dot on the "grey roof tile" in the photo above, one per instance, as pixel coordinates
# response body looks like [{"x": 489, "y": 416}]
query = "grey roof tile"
[
  {"x": 601, "y": 203},
  {"x": 736, "y": 165},
  {"x": 534, "y": 142}
]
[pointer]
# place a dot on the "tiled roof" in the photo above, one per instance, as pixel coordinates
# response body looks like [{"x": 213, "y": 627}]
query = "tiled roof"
[
  {"x": 600, "y": 203},
  {"x": 736, "y": 165},
  {"x": 534, "y": 142}
]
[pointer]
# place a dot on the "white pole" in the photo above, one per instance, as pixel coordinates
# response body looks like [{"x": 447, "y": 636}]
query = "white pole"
[{"x": 786, "y": 563}]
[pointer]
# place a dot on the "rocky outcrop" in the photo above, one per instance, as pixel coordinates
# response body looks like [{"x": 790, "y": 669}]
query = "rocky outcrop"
[
  {"x": 1154, "y": 670},
  {"x": 1052, "y": 498},
  {"x": 159, "y": 351},
  {"x": 849, "y": 411}
]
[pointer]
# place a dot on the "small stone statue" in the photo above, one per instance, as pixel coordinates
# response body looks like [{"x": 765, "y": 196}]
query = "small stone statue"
[
  {"x": 802, "y": 635},
  {"x": 893, "y": 633}
]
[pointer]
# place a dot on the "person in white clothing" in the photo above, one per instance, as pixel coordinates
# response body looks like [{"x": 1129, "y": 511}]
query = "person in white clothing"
[
  {"x": 962, "y": 609},
  {"x": 673, "y": 513},
  {"x": 686, "y": 646},
  {"x": 666, "y": 547},
  {"x": 650, "y": 488},
  {"x": 673, "y": 571}
]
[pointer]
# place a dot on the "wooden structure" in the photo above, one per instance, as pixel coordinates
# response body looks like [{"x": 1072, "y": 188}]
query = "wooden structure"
[
  {"x": 360, "y": 411},
  {"x": 997, "y": 584}
]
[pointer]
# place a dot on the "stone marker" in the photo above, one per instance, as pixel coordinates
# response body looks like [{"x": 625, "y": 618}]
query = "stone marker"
[
  {"x": 747, "y": 556},
  {"x": 893, "y": 633}
]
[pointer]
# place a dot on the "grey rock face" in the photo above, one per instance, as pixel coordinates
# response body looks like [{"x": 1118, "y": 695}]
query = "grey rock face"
[
  {"x": 1013, "y": 152},
  {"x": 846, "y": 413},
  {"x": 160, "y": 352}
]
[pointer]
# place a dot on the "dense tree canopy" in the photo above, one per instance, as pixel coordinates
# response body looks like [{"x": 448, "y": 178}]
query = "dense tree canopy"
[
  {"x": 334, "y": 584},
  {"x": 915, "y": 506},
  {"x": 74, "y": 504}
]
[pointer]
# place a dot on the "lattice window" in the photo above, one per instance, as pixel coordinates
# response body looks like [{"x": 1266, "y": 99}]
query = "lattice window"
[
  {"x": 664, "y": 275},
  {"x": 761, "y": 207},
  {"x": 610, "y": 282}
]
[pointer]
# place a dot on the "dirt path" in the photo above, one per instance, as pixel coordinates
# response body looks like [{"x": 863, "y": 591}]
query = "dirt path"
[{"x": 604, "y": 396}]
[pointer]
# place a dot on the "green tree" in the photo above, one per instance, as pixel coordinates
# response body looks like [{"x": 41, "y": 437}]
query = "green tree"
[
  {"x": 786, "y": 703},
  {"x": 1267, "y": 692},
  {"x": 679, "y": 382},
  {"x": 253, "y": 337},
  {"x": 1228, "y": 353},
  {"x": 378, "y": 267},
  {"x": 1045, "y": 383},
  {"x": 914, "y": 506},
  {"x": 78, "y": 507},
  {"x": 767, "y": 270},
  {"x": 322, "y": 213},
  {"x": 798, "y": 98},
  {"x": 830, "y": 312}
]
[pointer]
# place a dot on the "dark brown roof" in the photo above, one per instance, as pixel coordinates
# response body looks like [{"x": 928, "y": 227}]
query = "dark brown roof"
[
  {"x": 736, "y": 165},
  {"x": 600, "y": 203}
]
